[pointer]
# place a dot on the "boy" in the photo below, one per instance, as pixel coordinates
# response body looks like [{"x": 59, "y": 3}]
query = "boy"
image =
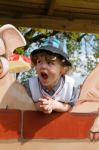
[{"x": 51, "y": 90}]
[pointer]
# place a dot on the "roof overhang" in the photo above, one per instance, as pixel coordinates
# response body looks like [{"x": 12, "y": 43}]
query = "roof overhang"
[{"x": 63, "y": 15}]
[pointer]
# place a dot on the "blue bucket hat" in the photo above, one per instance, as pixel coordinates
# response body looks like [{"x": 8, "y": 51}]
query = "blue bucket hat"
[{"x": 54, "y": 46}]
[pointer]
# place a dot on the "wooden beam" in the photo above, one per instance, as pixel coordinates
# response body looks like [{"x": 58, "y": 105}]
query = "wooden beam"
[
  {"x": 61, "y": 24},
  {"x": 51, "y": 7}
]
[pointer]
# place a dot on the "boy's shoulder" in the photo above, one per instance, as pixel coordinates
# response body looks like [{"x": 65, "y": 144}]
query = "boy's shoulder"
[
  {"x": 33, "y": 78},
  {"x": 26, "y": 84},
  {"x": 69, "y": 79}
]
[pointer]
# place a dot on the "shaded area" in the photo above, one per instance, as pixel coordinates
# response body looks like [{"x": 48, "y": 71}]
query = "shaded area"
[
  {"x": 10, "y": 124},
  {"x": 57, "y": 125}
]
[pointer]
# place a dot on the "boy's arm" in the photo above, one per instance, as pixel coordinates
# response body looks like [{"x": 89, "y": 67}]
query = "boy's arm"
[
  {"x": 60, "y": 106},
  {"x": 48, "y": 105},
  {"x": 44, "y": 108}
]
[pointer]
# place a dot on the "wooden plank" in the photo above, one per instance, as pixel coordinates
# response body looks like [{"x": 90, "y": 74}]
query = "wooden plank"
[
  {"x": 51, "y": 7},
  {"x": 10, "y": 124},
  {"x": 62, "y": 24},
  {"x": 73, "y": 10},
  {"x": 71, "y": 15},
  {"x": 21, "y": 5},
  {"x": 56, "y": 125},
  {"x": 78, "y": 4},
  {"x": 11, "y": 2}
]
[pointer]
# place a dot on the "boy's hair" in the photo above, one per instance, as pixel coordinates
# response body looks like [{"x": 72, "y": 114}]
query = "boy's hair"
[
  {"x": 54, "y": 47},
  {"x": 49, "y": 57}
]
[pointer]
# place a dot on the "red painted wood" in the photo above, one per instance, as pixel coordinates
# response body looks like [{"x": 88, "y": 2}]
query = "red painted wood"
[
  {"x": 10, "y": 124},
  {"x": 57, "y": 125}
]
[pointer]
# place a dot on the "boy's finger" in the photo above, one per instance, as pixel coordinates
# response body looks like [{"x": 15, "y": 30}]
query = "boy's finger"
[
  {"x": 44, "y": 101},
  {"x": 47, "y": 97}
]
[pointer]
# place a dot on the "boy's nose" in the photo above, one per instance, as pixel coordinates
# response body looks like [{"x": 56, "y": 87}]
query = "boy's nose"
[{"x": 43, "y": 65}]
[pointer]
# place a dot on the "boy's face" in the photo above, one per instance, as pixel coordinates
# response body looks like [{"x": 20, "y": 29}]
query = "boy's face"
[{"x": 49, "y": 70}]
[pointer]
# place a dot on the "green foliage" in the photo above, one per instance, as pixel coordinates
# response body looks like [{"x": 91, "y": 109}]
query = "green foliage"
[
  {"x": 19, "y": 51},
  {"x": 96, "y": 54},
  {"x": 25, "y": 75}
]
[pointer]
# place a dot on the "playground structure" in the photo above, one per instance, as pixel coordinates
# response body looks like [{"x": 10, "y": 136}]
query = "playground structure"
[{"x": 14, "y": 137}]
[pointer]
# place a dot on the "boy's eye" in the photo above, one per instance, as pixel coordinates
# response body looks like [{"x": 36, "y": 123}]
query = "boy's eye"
[
  {"x": 50, "y": 63},
  {"x": 38, "y": 61}
]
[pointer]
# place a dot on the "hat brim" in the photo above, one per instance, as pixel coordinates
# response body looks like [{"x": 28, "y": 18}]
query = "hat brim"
[{"x": 53, "y": 50}]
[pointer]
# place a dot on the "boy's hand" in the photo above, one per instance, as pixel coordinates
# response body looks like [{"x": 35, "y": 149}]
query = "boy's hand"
[{"x": 46, "y": 104}]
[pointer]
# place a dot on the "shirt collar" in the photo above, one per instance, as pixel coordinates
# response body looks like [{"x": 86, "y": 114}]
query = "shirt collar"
[{"x": 52, "y": 91}]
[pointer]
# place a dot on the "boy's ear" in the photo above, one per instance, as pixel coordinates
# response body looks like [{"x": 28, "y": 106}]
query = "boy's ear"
[
  {"x": 11, "y": 38},
  {"x": 65, "y": 70}
]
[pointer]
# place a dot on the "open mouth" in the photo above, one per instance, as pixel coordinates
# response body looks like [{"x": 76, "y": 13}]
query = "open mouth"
[{"x": 44, "y": 75}]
